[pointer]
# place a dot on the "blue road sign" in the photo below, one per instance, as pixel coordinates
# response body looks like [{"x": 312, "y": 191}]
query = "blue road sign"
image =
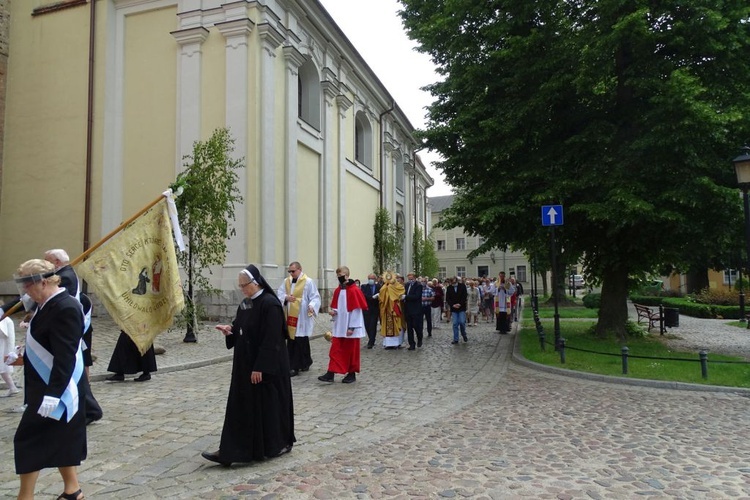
[{"x": 552, "y": 215}]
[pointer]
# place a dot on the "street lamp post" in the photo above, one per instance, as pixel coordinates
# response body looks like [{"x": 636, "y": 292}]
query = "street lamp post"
[{"x": 742, "y": 169}]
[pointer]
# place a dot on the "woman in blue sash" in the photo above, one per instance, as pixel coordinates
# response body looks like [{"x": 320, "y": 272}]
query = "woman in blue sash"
[{"x": 52, "y": 431}]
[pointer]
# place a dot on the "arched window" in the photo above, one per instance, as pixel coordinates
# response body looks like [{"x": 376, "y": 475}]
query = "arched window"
[
  {"x": 363, "y": 140},
  {"x": 308, "y": 94}
]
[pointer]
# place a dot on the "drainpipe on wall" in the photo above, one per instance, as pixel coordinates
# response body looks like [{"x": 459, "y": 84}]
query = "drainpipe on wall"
[
  {"x": 89, "y": 127},
  {"x": 382, "y": 148}
]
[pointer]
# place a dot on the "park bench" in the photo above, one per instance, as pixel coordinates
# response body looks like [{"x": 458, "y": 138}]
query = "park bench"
[{"x": 646, "y": 313}]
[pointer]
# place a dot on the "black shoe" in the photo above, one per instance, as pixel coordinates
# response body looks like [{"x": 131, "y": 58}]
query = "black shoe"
[
  {"x": 214, "y": 457},
  {"x": 351, "y": 377},
  {"x": 411, "y": 348},
  {"x": 117, "y": 377},
  {"x": 429, "y": 334},
  {"x": 466, "y": 339},
  {"x": 419, "y": 343},
  {"x": 454, "y": 342},
  {"x": 370, "y": 346},
  {"x": 293, "y": 373},
  {"x": 143, "y": 378},
  {"x": 304, "y": 369},
  {"x": 328, "y": 377}
]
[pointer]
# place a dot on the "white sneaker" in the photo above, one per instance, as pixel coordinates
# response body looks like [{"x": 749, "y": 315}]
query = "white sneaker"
[
  {"x": 11, "y": 392},
  {"x": 17, "y": 409}
]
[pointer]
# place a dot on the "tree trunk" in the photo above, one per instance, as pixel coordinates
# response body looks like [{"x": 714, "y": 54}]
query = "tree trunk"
[
  {"x": 613, "y": 313},
  {"x": 696, "y": 280}
]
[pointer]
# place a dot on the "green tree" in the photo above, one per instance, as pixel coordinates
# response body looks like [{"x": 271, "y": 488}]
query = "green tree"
[
  {"x": 206, "y": 209},
  {"x": 388, "y": 242},
  {"x": 627, "y": 113},
  {"x": 425, "y": 261}
]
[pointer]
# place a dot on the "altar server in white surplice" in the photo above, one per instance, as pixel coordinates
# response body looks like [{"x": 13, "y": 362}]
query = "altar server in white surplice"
[{"x": 301, "y": 301}]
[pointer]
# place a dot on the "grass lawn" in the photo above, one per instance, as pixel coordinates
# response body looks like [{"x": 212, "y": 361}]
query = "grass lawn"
[{"x": 576, "y": 336}]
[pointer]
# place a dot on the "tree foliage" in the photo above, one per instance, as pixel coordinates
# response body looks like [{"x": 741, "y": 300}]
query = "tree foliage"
[
  {"x": 425, "y": 260},
  {"x": 627, "y": 113},
  {"x": 206, "y": 210},
  {"x": 388, "y": 242}
]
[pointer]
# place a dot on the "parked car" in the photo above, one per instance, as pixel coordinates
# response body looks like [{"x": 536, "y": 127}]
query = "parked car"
[{"x": 576, "y": 280}]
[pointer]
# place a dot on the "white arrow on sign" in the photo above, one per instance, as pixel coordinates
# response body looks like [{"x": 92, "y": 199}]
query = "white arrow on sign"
[{"x": 552, "y": 213}]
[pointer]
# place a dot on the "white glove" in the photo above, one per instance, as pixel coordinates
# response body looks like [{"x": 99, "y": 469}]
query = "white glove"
[
  {"x": 48, "y": 406},
  {"x": 11, "y": 358},
  {"x": 402, "y": 297},
  {"x": 376, "y": 296}
]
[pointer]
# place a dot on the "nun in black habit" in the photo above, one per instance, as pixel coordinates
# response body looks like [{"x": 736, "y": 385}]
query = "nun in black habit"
[{"x": 259, "y": 419}]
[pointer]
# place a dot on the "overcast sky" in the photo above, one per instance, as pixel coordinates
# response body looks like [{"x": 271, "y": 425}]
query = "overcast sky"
[{"x": 375, "y": 30}]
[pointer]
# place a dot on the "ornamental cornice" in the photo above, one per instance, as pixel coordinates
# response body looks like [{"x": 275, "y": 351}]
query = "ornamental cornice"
[
  {"x": 344, "y": 103},
  {"x": 239, "y": 28},
  {"x": 270, "y": 36},
  {"x": 294, "y": 58},
  {"x": 190, "y": 35}
]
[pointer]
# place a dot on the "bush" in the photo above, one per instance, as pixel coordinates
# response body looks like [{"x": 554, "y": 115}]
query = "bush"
[
  {"x": 718, "y": 296},
  {"x": 592, "y": 300},
  {"x": 646, "y": 300}
]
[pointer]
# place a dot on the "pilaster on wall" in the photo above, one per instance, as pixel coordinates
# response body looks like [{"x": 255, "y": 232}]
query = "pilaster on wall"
[
  {"x": 294, "y": 59},
  {"x": 330, "y": 90},
  {"x": 188, "y": 90},
  {"x": 236, "y": 33},
  {"x": 271, "y": 39},
  {"x": 343, "y": 103}
]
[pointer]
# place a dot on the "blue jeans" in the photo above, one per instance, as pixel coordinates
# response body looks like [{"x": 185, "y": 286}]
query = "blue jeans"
[{"x": 459, "y": 319}]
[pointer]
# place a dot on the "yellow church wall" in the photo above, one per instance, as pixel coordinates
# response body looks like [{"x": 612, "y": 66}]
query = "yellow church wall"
[
  {"x": 361, "y": 205},
  {"x": 45, "y": 135},
  {"x": 308, "y": 196},
  {"x": 149, "y": 107}
]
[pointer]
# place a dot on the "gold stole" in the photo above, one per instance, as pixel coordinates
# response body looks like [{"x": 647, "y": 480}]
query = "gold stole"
[{"x": 292, "y": 308}]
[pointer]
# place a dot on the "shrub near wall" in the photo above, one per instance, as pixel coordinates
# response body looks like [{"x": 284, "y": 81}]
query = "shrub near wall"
[{"x": 689, "y": 307}]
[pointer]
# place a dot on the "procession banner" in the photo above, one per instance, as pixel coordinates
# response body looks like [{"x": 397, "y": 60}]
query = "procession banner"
[{"x": 136, "y": 277}]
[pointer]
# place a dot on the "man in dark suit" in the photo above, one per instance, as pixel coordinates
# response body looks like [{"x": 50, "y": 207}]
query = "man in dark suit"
[
  {"x": 371, "y": 291},
  {"x": 413, "y": 305},
  {"x": 456, "y": 297},
  {"x": 69, "y": 280}
]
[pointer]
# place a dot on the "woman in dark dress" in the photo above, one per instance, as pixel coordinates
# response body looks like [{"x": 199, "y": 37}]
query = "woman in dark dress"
[
  {"x": 259, "y": 419},
  {"x": 52, "y": 431},
  {"x": 126, "y": 358}
]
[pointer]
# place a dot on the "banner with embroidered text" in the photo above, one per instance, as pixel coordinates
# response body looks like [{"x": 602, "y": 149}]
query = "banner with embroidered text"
[{"x": 136, "y": 277}]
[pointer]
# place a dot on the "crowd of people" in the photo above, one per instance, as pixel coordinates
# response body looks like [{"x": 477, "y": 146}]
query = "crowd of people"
[{"x": 270, "y": 335}]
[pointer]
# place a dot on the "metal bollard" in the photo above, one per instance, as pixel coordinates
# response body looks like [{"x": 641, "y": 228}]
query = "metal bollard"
[
  {"x": 561, "y": 347},
  {"x": 704, "y": 364},
  {"x": 624, "y": 351},
  {"x": 542, "y": 339}
]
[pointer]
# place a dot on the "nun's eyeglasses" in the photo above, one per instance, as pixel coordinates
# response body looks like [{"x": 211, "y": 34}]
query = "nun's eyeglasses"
[{"x": 243, "y": 285}]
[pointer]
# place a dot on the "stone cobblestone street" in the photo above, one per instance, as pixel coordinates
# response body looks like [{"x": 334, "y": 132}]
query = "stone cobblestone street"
[{"x": 441, "y": 422}]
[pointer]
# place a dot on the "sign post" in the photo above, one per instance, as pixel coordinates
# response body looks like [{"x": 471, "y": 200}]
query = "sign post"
[{"x": 552, "y": 215}]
